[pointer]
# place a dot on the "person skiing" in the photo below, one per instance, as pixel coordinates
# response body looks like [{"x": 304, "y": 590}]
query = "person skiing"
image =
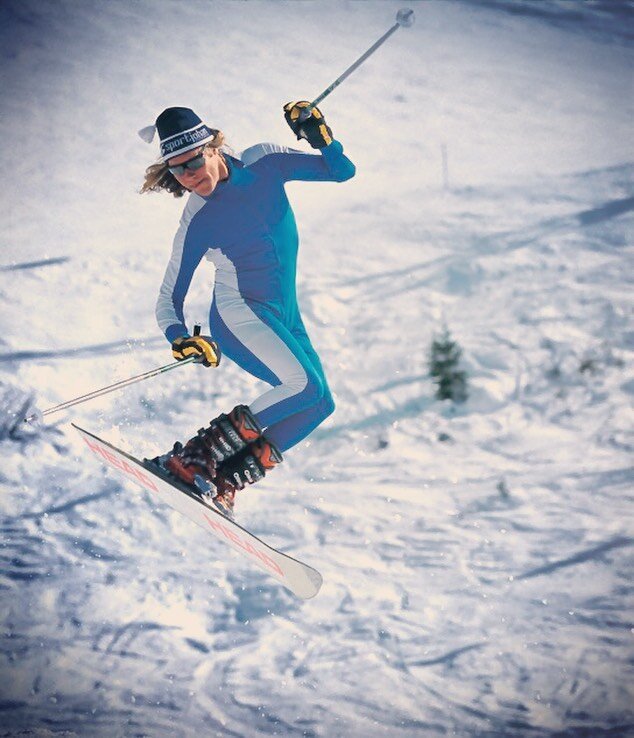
[{"x": 239, "y": 217}]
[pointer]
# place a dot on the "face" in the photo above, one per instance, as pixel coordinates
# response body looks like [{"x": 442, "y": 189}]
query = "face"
[{"x": 202, "y": 181}]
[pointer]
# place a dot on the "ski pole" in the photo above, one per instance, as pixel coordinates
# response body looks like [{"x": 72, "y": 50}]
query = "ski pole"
[
  {"x": 112, "y": 387},
  {"x": 404, "y": 19},
  {"x": 106, "y": 390}
]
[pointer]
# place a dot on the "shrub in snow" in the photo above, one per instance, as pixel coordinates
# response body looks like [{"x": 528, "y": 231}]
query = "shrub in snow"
[
  {"x": 568, "y": 366},
  {"x": 14, "y": 407},
  {"x": 444, "y": 360}
]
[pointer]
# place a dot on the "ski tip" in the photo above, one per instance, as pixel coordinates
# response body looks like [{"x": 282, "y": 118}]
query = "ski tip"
[{"x": 310, "y": 588}]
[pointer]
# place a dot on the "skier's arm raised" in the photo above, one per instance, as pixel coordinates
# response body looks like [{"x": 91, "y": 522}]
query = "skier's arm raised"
[{"x": 331, "y": 166}]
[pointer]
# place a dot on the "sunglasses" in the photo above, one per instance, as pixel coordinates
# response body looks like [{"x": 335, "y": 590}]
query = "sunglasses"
[{"x": 190, "y": 165}]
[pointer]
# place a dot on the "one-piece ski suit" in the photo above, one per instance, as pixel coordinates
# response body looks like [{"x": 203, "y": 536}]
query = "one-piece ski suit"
[{"x": 246, "y": 227}]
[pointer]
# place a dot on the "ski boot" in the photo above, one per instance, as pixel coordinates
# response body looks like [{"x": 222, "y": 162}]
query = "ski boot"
[
  {"x": 229, "y": 434},
  {"x": 247, "y": 467},
  {"x": 195, "y": 463}
]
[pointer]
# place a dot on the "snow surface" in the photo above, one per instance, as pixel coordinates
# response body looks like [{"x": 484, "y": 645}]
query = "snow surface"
[{"x": 477, "y": 559}]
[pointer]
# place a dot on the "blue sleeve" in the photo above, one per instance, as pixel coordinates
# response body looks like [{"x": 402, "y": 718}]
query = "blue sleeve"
[
  {"x": 186, "y": 256},
  {"x": 331, "y": 166}
]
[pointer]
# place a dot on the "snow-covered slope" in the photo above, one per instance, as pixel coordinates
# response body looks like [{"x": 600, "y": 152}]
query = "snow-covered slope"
[{"x": 477, "y": 558}]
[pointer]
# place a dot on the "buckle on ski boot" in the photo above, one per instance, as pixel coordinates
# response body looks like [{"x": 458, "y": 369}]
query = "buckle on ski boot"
[
  {"x": 229, "y": 434},
  {"x": 247, "y": 467}
]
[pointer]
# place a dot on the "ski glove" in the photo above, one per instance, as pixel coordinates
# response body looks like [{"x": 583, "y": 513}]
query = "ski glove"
[
  {"x": 203, "y": 346},
  {"x": 314, "y": 129}
]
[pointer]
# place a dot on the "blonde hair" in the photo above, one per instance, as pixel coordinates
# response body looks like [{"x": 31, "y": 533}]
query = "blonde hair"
[{"x": 158, "y": 177}]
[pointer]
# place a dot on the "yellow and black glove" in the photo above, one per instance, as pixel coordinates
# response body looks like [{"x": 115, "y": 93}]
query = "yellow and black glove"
[
  {"x": 314, "y": 129},
  {"x": 201, "y": 346}
]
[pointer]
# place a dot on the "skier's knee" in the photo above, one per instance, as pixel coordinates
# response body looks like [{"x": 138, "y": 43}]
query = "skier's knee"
[
  {"x": 298, "y": 383},
  {"x": 314, "y": 391},
  {"x": 310, "y": 388},
  {"x": 327, "y": 404}
]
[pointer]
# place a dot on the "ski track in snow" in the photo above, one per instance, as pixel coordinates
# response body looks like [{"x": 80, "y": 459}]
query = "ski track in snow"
[{"x": 477, "y": 559}]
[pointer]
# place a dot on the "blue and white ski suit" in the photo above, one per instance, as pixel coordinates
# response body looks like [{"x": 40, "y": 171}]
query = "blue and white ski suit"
[{"x": 246, "y": 227}]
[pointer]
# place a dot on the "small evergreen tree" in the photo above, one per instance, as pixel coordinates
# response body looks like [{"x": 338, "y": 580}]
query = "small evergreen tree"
[{"x": 451, "y": 382}]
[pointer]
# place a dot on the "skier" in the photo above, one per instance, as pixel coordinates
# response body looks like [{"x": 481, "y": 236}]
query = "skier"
[{"x": 238, "y": 215}]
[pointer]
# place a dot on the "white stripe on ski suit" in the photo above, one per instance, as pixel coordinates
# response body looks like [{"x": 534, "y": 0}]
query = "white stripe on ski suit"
[{"x": 255, "y": 335}]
